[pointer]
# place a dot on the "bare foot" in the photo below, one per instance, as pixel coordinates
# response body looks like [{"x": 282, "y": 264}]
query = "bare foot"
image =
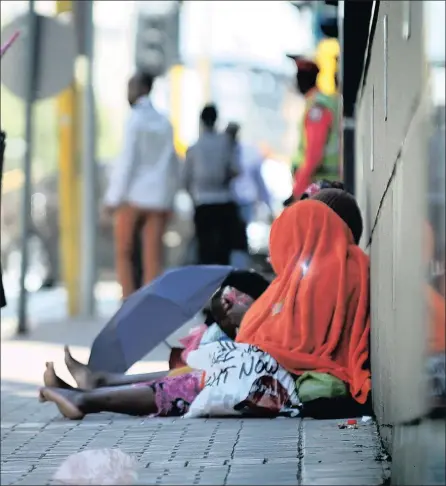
[
  {"x": 82, "y": 375},
  {"x": 51, "y": 379},
  {"x": 65, "y": 400}
]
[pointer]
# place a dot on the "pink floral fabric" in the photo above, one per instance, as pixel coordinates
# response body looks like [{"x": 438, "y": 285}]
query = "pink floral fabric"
[
  {"x": 236, "y": 297},
  {"x": 192, "y": 340},
  {"x": 174, "y": 394}
]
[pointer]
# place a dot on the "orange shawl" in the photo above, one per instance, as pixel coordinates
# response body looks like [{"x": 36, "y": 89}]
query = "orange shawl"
[{"x": 315, "y": 315}]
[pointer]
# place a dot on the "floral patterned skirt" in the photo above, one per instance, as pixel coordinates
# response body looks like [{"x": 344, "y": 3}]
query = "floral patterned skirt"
[{"x": 174, "y": 394}]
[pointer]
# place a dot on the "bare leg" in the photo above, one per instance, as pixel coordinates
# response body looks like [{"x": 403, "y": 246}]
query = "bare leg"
[
  {"x": 89, "y": 380},
  {"x": 116, "y": 379},
  {"x": 130, "y": 400},
  {"x": 153, "y": 229},
  {"x": 125, "y": 218}
]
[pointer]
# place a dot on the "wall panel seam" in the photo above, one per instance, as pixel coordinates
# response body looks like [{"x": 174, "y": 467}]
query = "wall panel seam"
[{"x": 416, "y": 106}]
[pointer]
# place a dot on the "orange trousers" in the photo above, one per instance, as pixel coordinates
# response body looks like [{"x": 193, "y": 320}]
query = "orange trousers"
[{"x": 154, "y": 224}]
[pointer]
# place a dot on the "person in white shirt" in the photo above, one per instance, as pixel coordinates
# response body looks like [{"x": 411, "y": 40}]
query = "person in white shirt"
[{"x": 143, "y": 184}]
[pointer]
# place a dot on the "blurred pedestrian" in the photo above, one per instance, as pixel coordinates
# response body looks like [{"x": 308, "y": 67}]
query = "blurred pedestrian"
[
  {"x": 211, "y": 164},
  {"x": 249, "y": 187},
  {"x": 249, "y": 190},
  {"x": 317, "y": 154},
  {"x": 143, "y": 185}
]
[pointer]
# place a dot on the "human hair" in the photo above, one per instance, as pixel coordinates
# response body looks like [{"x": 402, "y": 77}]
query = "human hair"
[
  {"x": 345, "y": 206},
  {"x": 320, "y": 184},
  {"x": 145, "y": 81},
  {"x": 306, "y": 79},
  {"x": 209, "y": 115},
  {"x": 246, "y": 281},
  {"x": 233, "y": 129}
]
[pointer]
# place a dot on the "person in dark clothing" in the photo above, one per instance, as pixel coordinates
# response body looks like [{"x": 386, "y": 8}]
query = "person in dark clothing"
[
  {"x": 211, "y": 163},
  {"x": 239, "y": 244}
]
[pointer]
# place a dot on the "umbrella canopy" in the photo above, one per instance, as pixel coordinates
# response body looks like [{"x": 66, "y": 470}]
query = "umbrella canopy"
[{"x": 152, "y": 313}]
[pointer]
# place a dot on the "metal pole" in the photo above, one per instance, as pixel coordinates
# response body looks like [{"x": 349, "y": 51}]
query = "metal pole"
[
  {"x": 30, "y": 70},
  {"x": 89, "y": 202},
  {"x": 69, "y": 184}
]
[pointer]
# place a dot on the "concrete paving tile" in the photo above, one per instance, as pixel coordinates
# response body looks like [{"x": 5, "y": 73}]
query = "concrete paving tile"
[
  {"x": 13, "y": 473},
  {"x": 332, "y": 455},
  {"x": 340, "y": 470},
  {"x": 260, "y": 481},
  {"x": 343, "y": 481},
  {"x": 342, "y": 460}
]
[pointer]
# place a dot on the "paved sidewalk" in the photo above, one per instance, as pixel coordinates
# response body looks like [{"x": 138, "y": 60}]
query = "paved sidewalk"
[{"x": 35, "y": 439}]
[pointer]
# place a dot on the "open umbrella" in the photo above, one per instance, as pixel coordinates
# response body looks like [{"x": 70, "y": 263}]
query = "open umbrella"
[{"x": 152, "y": 313}]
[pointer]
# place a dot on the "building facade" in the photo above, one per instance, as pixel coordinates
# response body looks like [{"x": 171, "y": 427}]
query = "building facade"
[{"x": 395, "y": 105}]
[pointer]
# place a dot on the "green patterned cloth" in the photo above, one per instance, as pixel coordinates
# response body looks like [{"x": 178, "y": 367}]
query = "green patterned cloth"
[{"x": 312, "y": 385}]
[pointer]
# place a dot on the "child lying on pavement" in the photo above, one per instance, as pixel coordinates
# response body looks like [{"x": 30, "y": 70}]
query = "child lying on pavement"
[{"x": 144, "y": 394}]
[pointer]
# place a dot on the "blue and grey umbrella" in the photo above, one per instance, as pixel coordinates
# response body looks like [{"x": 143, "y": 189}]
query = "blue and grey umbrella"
[{"x": 153, "y": 313}]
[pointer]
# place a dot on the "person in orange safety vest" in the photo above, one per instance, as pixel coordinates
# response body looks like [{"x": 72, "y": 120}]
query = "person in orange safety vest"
[{"x": 317, "y": 155}]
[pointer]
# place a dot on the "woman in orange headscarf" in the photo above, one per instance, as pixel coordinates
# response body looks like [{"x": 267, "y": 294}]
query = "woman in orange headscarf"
[{"x": 315, "y": 315}]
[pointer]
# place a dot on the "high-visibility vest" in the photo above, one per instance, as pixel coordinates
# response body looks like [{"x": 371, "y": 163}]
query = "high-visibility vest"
[{"x": 329, "y": 168}]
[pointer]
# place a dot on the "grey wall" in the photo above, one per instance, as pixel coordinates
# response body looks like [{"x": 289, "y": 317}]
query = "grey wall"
[{"x": 394, "y": 116}]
